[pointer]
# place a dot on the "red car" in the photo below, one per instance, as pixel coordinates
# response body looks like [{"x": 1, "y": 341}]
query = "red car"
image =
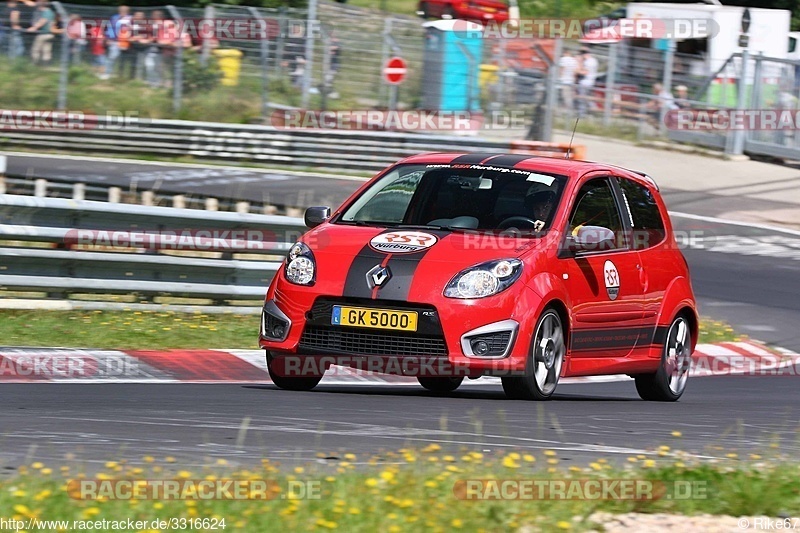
[
  {"x": 464, "y": 265},
  {"x": 477, "y": 10}
]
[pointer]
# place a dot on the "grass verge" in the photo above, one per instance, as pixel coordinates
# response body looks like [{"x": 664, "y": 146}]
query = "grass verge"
[
  {"x": 160, "y": 330},
  {"x": 421, "y": 490}
]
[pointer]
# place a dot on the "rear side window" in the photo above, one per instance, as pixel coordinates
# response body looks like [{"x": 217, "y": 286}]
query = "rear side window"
[{"x": 648, "y": 226}]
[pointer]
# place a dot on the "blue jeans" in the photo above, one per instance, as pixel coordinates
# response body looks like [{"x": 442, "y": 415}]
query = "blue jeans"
[{"x": 112, "y": 53}]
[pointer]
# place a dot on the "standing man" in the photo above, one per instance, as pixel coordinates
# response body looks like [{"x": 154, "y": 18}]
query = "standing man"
[
  {"x": 42, "y": 26},
  {"x": 567, "y": 67},
  {"x": 11, "y": 28},
  {"x": 118, "y": 25},
  {"x": 587, "y": 73}
]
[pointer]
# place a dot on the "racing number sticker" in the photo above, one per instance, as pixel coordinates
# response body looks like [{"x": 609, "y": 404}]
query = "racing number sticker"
[
  {"x": 611, "y": 277},
  {"x": 402, "y": 242}
]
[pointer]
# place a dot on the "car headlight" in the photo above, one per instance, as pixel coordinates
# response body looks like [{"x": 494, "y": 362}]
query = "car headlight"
[
  {"x": 301, "y": 268},
  {"x": 484, "y": 279}
]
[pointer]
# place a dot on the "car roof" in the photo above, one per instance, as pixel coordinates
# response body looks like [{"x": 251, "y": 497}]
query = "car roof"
[{"x": 552, "y": 165}]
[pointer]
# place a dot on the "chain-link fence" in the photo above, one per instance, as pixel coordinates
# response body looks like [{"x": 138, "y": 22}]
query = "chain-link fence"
[{"x": 240, "y": 64}]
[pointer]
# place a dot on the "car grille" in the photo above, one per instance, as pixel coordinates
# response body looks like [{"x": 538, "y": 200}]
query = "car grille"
[
  {"x": 498, "y": 342},
  {"x": 332, "y": 339}
]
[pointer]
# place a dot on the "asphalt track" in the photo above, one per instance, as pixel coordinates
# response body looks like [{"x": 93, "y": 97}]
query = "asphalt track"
[
  {"x": 199, "y": 423},
  {"x": 744, "y": 274}
]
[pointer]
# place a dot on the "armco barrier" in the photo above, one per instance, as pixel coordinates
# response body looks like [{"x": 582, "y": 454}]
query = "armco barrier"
[
  {"x": 335, "y": 149},
  {"x": 205, "y": 267}
]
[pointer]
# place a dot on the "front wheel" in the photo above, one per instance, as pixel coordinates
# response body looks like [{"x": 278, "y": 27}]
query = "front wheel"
[
  {"x": 281, "y": 381},
  {"x": 440, "y": 384},
  {"x": 543, "y": 369},
  {"x": 669, "y": 381}
]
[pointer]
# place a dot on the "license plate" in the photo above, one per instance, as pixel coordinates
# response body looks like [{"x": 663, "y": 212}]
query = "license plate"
[{"x": 363, "y": 317}]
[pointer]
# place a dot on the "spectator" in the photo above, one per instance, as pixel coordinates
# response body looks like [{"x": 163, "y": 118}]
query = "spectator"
[
  {"x": 76, "y": 29},
  {"x": 154, "y": 65},
  {"x": 567, "y": 68},
  {"x": 42, "y": 25},
  {"x": 97, "y": 49},
  {"x": 114, "y": 46},
  {"x": 664, "y": 100},
  {"x": 682, "y": 99},
  {"x": 140, "y": 42},
  {"x": 587, "y": 76},
  {"x": 11, "y": 29}
]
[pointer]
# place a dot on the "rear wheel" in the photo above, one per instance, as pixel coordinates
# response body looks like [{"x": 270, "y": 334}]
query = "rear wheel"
[
  {"x": 440, "y": 384},
  {"x": 543, "y": 369},
  {"x": 669, "y": 381},
  {"x": 304, "y": 383}
]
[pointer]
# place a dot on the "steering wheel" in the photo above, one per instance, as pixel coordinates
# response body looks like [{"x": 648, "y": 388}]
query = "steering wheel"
[{"x": 513, "y": 221}]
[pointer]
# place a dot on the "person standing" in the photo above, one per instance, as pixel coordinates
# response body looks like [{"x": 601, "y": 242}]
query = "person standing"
[
  {"x": 42, "y": 26},
  {"x": 12, "y": 28},
  {"x": 116, "y": 26},
  {"x": 587, "y": 73},
  {"x": 567, "y": 67}
]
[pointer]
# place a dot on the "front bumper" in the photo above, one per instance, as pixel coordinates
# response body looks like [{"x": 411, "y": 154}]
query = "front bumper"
[{"x": 487, "y": 335}]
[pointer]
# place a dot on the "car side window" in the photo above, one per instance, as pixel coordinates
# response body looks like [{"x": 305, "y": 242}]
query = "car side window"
[
  {"x": 595, "y": 208},
  {"x": 646, "y": 220}
]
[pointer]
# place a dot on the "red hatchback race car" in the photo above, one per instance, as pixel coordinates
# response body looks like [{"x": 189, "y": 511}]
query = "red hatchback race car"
[
  {"x": 481, "y": 11},
  {"x": 447, "y": 266}
]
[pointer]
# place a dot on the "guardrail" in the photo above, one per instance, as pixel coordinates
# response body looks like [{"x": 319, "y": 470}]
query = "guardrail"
[
  {"x": 64, "y": 246},
  {"x": 351, "y": 150}
]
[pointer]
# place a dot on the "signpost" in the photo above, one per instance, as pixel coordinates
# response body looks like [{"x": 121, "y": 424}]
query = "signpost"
[{"x": 394, "y": 72}]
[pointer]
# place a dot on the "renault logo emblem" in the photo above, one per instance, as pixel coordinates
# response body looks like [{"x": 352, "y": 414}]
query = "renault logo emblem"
[{"x": 378, "y": 276}]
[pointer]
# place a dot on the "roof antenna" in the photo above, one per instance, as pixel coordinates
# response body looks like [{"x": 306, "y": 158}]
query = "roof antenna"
[{"x": 569, "y": 148}]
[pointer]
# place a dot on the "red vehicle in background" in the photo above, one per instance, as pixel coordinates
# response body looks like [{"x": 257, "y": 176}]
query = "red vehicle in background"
[
  {"x": 526, "y": 268},
  {"x": 476, "y": 10}
]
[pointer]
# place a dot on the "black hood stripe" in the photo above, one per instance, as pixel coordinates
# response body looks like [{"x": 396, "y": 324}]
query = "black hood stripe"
[{"x": 402, "y": 267}]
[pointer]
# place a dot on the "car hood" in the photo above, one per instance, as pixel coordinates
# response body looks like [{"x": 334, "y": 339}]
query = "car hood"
[{"x": 457, "y": 248}]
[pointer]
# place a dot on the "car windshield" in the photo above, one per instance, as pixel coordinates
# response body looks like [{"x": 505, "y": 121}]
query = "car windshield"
[{"x": 465, "y": 197}]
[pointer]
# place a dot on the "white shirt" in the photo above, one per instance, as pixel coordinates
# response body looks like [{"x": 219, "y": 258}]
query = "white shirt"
[
  {"x": 567, "y": 66},
  {"x": 590, "y": 65}
]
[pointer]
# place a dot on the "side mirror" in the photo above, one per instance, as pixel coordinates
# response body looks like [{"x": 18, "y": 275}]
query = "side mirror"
[
  {"x": 587, "y": 239},
  {"x": 316, "y": 215}
]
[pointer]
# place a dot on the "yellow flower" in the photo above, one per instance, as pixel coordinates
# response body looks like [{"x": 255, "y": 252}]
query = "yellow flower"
[
  {"x": 148, "y": 459},
  {"x": 169, "y": 459},
  {"x": 387, "y": 475},
  {"x": 350, "y": 456},
  {"x": 457, "y": 523},
  {"x": 448, "y": 458},
  {"x": 514, "y": 455},
  {"x": 476, "y": 455},
  {"x": 755, "y": 456},
  {"x": 431, "y": 484},
  {"x": 596, "y": 466},
  {"x": 552, "y": 461},
  {"x": 528, "y": 458},
  {"x": 563, "y": 524},
  {"x": 42, "y": 495},
  {"x": 732, "y": 455},
  {"x": 158, "y": 505},
  {"x": 22, "y": 509},
  {"x": 406, "y": 503},
  {"x": 90, "y": 512},
  {"x": 508, "y": 462},
  {"x": 37, "y": 465},
  {"x": 354, "y": 510},
  {"x": 649, "y": 463},
  {"x": 299, "y": 470},
  {"x": 330, "y": 479},
  {"x": 371, "y": 482},
  {"x": 47, "y": 471},
  {"x": 549, "y": 453},
  {"x": 223, "y": 462},
  {"x": 632, "y": 459},
  {"x": 663, "y": 448},
  {"x": 111, "y": 464},
  {"x": 184, "y": 474},
  {"x": 433, "y": 447},
  {"x": 394, "y": 528},
  {"x": 677, "y": 434},
  {"x": 327, "y": 524}
]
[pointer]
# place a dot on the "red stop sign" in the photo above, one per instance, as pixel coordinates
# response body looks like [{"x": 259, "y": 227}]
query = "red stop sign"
[{"x": 395, "y": 70}]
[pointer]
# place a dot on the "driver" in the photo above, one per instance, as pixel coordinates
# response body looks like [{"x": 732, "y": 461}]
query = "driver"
[{"x": 540, "y": 204}]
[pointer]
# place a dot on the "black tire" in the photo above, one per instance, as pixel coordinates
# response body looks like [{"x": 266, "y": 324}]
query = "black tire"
[
  {"x": 668, "y": 383},
  {"x": 448, "y": 13},
  {"x": 440, "y": 384},
  {"x": 290, "y": 383},
  {"x": 548, "y": 348}
]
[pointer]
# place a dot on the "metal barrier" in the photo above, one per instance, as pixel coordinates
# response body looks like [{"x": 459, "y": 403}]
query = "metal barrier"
[
  {"x": 62, "y": 246},
  {"x": 367, "y": 151}
]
